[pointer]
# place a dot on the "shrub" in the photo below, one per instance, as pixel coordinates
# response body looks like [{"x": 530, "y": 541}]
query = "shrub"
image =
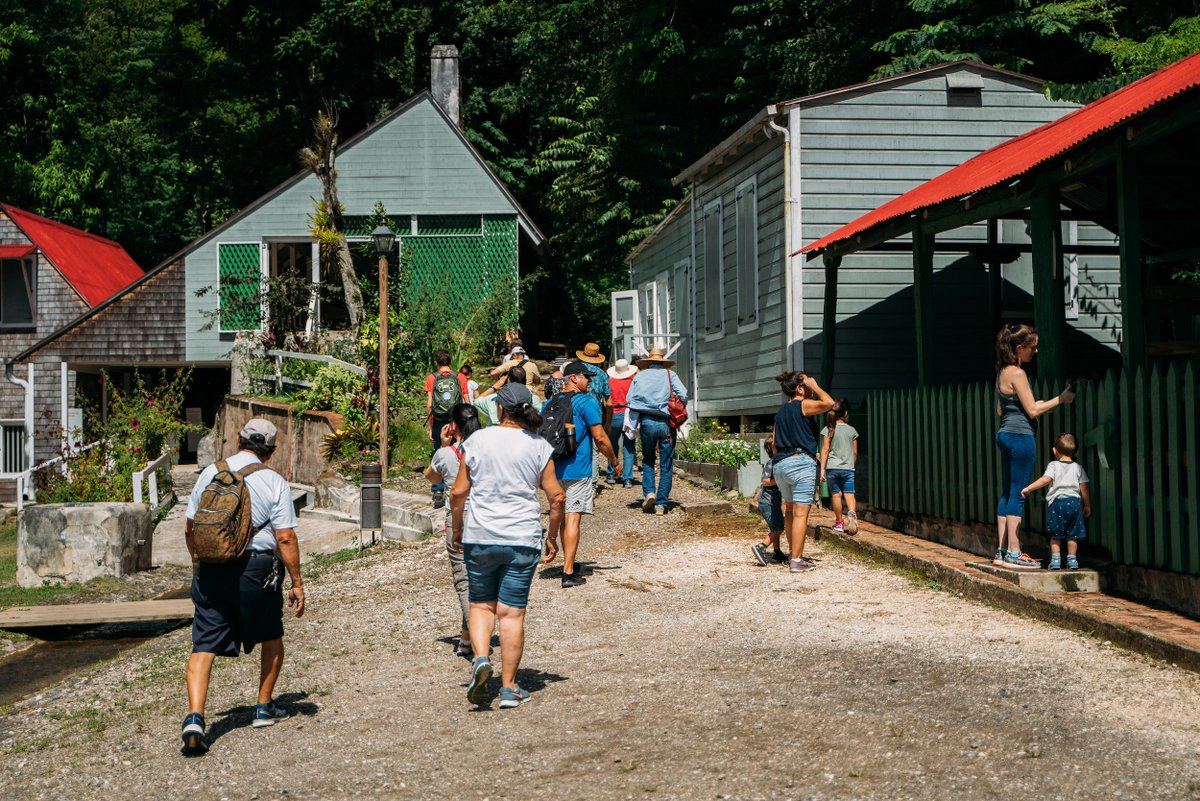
[{"x": 730, "y": 452}]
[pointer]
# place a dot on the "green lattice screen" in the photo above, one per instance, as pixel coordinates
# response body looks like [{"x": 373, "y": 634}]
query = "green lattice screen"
[
  {"x": 240, "y": 280},
  {"x": 449, "y": 225}
]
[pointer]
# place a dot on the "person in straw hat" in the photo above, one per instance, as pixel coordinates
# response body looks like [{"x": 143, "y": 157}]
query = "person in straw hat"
[
  {"x": 620, "y": 377},
  {"x": 647, "y": 411}
]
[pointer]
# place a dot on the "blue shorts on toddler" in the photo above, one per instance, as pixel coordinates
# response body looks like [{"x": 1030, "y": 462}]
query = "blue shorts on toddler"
[
  {"x": 1064, "y": 519},
  {"x": 770, "y": 506}
]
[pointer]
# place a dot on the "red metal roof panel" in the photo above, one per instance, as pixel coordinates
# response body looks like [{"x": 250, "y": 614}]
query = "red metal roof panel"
[
  {"x": 15, "y": 251},
  {"x": 97, "y": 268},
  {"x": 1010, "y": 159}
]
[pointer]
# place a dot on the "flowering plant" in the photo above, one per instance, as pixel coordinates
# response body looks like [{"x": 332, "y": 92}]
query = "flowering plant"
[{"x": 729, "y": 452}]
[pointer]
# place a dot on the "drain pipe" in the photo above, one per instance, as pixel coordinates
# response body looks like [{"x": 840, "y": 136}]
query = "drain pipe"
[
  {"x": 793, "y": 276},
  {"x": 27, "y": 384}
]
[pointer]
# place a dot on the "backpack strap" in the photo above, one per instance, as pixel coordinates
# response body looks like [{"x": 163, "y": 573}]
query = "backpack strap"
[{"x": 250, "y": 468}]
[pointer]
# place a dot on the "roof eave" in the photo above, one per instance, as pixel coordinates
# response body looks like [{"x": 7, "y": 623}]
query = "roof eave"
[{"x": 747, "y": 132}]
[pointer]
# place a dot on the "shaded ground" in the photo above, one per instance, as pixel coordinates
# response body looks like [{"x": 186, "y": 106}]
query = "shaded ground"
[{"x": 680, "y": 670}]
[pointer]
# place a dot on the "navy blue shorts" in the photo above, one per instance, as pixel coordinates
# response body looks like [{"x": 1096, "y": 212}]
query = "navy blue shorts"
[
  {"x": 233, "y": 609},
  {"x": 840, "y": 481},
  {"x": 501, "y": 573},
  {"x": 1064, "y": 519}
]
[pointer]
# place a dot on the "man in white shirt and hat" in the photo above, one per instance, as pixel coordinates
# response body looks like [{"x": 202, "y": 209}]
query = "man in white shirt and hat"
[{"x": 620, "y": 377}]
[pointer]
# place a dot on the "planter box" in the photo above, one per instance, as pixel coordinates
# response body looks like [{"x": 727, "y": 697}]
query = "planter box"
[
  {"x": 76, "y": 542},
  {"x": 298, "y": 448},
  {"x": 745, "y": 478}
]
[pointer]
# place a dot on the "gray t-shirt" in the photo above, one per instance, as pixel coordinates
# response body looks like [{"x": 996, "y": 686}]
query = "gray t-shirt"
[
  {"x": 506, "y": 467},
  {"x": 270, "y": 499},
  {"x": 446, "y": 462},
  {"x": 841, "y": 447},
  {"x": 1065, "y": 478}
]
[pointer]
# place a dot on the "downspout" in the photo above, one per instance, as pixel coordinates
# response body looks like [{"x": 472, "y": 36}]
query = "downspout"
[
  {"x": 693, "y": 276},
  {"x": 793, "y": 266},
  {"x": 27, "y": 385}
]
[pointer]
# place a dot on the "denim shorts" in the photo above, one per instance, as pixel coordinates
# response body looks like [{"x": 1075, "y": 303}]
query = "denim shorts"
[
  {"x": 840, "y": 481},
  {"x": 500, "y": 573},
  {"x": 770, "y": 508},
  {"x": 796, "y": 477}
]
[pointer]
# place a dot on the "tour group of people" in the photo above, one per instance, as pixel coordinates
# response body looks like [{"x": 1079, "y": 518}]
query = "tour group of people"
[{"x": 563, "y": 434}]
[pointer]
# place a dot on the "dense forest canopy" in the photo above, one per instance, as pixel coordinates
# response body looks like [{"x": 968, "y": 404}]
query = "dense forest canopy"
[{"x": 150, "y": 121}]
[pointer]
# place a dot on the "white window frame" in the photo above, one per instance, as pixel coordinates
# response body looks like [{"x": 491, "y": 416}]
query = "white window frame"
[
  {"x": 712, "y": 332},
  {"x": 749, "y": 186},
  {"x": 617, "y": 323},
  {"x": 1071, "y": 274},
  {"x": 22, "y": 454},
  {"x": 28, "y": 268}
]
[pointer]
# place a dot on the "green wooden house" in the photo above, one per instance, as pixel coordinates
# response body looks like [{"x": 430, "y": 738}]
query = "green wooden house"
[{"x": 720, "y": 277}]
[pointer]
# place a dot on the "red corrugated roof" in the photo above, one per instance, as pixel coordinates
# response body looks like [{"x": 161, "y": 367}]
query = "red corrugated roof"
[
  {"x": 15, "y": 251},
  {"x": 1011, "y": 159},
  {"x": 96, "y": 267}
]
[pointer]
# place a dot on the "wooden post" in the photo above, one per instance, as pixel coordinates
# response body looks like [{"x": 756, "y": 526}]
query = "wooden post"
[
  {"x": 995, "y": 281},
  {"x": 383, "y": 365},
  {"x": 923, "y": 296},
  {"x": 1129, "y": 230},
  {"x": 829, "y": 334},
  {"x": 1048, "y": 309}
]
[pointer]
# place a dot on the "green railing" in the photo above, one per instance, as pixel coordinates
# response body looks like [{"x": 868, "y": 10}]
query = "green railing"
[{"x": 933, "y": 453}]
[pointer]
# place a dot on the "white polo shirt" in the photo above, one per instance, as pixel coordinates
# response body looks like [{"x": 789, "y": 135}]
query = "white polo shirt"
[{"x": 270, "y": 499}]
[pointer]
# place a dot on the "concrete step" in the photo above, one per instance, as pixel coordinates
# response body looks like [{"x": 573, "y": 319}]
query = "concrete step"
[
  {"x": 1043, "y": 580},
  {"x": 327, "y": 514},
  {"x": 398, "y": 533}
]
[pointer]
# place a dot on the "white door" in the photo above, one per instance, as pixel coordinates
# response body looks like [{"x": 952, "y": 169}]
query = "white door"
[{"x": 624, "y": 323}]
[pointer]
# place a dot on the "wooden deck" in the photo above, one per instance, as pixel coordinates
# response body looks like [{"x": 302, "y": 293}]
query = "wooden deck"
[{"x": 18, "y": 618}]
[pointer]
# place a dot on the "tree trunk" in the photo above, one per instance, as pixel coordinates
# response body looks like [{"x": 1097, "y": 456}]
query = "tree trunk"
[{"x": 320, "y": 159}]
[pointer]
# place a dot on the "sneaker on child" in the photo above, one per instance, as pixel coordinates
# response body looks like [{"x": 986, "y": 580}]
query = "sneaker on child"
[
  {"x": 839, "y": 528},
  {"x": 851, "y": 523},
  {"x": 760, "y": 553}
]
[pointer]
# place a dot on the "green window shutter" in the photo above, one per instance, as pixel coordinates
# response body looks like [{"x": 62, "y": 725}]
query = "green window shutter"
[
  {"x": 747, "y": 252},
  {"x": 240, "y": 269},
  {"x": 714, "y": 270}
]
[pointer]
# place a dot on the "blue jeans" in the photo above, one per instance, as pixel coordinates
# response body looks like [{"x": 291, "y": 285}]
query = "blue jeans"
[
  {"x": 622, "y": 445},
  {"x": 500, "y": 573},
  {"x": 1016, "y": 466},
  {"x": 657, "y": 436}
]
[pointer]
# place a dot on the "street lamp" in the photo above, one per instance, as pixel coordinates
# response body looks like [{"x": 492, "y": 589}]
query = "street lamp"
[{"x": 383, "y": 238}]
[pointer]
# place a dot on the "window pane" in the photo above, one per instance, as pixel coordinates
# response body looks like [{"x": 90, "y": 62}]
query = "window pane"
[
  {"x": 713, "y": 285},
  {"x": 14, "y": 300}
]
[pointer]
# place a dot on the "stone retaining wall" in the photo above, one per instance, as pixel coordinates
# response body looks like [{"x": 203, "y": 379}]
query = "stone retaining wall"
[{"x": 75, "y": 542}]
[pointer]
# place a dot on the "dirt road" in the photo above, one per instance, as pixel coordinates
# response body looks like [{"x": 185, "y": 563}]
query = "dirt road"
[{"x": 681, "y": 670}]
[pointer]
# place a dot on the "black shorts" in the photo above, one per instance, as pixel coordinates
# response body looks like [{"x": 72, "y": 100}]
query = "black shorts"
[{"x": 233, "y": 609}]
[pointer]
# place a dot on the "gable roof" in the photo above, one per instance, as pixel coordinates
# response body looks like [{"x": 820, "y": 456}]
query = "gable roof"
[
  {"x": 754, "y": 127},
  {"x": 95, "y": 267},
  {"x": 524, "y": 221},
  {"x": 1019, "y": 155}
]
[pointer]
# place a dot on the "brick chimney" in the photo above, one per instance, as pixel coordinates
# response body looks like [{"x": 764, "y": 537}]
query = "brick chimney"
[{"x": 444, "y": 81}]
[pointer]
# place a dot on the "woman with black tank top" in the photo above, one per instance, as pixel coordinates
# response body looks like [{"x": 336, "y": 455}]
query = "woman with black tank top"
[
  {"x": 795, "y": 460},
  {"x": 1018, "y": 410}
]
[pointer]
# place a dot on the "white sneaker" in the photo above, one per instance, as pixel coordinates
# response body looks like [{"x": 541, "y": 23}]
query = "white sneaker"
[
  {"x": 648, "y": 503},
  {"x": 850, "y": 523}
]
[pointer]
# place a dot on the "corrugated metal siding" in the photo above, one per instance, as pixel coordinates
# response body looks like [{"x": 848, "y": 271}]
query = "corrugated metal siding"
[
  {"x": 736, "y": 370},
  {"x": 863, "y": 151},
  {"x": 413, "y": 165}
]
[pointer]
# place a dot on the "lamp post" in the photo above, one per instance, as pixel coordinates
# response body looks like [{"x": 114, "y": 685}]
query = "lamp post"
[{"x": 383, "y": 238}]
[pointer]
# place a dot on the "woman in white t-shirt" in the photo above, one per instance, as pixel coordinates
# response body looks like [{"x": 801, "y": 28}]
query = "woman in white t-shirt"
[{"x": 500, "y": 534}]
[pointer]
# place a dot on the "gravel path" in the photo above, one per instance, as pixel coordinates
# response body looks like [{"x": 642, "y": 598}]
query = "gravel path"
[{"x": 681, "y": 670}]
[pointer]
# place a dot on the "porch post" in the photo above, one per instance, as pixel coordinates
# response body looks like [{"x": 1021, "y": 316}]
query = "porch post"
[
  {"x": 62, "y": 389},
  {"x": 829, "y": 332},
  {"x": 923, "y": 245},
  {"x": 1129, "y": 231},
  {"x": 995, "y": 281},
  {"x": 1049, "y": 312}
]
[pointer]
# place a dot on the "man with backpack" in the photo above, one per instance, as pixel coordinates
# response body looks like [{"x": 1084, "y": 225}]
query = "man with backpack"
[
  {"x": 572, "y": 422},
  {"x": 241, "y": 534},
  {"x": 444, "y": 389}
]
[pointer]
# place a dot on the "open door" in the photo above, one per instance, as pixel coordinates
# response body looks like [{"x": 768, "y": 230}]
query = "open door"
[{"x": 624, "y": 323}]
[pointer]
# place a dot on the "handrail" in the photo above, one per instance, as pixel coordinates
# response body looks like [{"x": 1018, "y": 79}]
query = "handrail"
[
  {"x": 140, "y": 475},
  {"x": 25, "y": 477},
  {"x": 280, "y": 355}
]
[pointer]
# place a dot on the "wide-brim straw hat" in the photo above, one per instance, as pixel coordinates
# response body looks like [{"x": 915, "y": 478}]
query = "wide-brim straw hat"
[
  {"x": 655, "y": 356},
  {"x": 590, "y": 354},
  {"x": 622, "y": 369}
]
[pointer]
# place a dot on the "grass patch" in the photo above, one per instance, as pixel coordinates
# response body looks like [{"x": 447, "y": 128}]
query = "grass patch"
[{"x": 321, "y": 562}]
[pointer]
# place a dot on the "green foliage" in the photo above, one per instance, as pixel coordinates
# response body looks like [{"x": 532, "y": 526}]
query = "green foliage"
[
  {"x": 336, "y": 389},
  {"x": 142, "y": 424},
  {"x": 731, "y": 452}
]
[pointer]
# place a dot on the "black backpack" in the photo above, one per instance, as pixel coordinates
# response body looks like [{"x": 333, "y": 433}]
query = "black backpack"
[
  {"x": 446, "y": 393},
  {"x": 557, "y": 412}
]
